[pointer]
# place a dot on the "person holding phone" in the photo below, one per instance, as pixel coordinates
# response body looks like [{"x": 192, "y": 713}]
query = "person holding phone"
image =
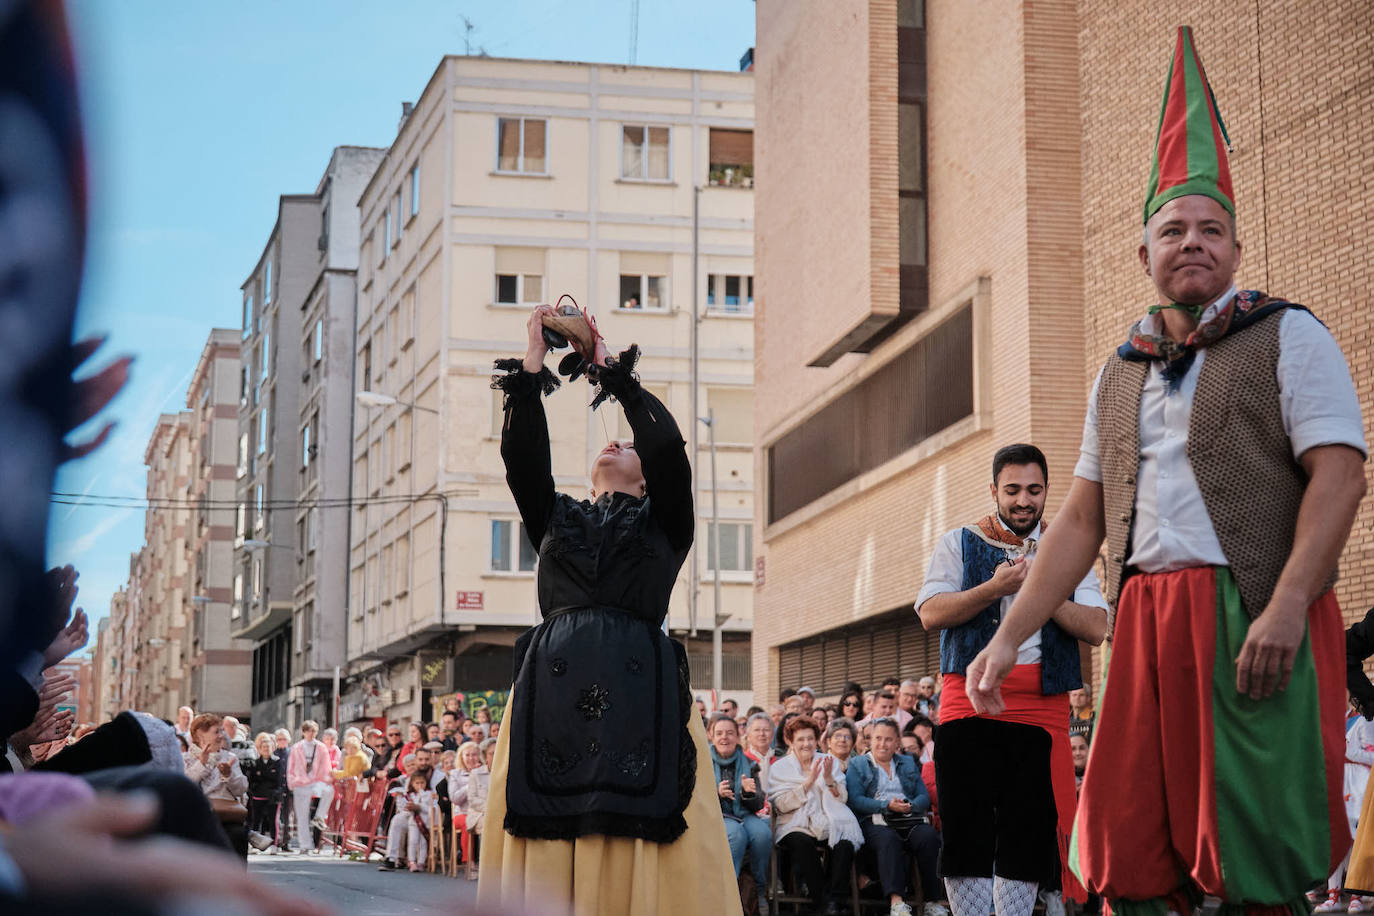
[
  {"x": 893, "y": 807},
  {"x": 740, "y": 801}
]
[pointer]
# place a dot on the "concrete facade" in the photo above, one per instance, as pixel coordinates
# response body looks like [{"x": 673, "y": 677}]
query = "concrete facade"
[
  {"x": 219, "y": 665},
  {"x": 1037, "y": 152},
  {"x": 268, "y": 481},
  {"x": 510, "y": 183},
  {"x": 324, "y": 425}
]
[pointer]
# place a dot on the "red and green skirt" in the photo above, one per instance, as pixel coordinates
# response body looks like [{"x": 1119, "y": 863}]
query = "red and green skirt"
[{"x": 1194, "y": 788}]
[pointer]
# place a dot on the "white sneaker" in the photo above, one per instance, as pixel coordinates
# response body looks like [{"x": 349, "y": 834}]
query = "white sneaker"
[
  {"x": 259, "y": 841},
  {"x": 318, "y": 823},
  {"x": 272, "y": 850},
  {"x": 1332, "y": 903},
  {"x": 899, "y": 909},
  {"x": 935, "y": 909}
]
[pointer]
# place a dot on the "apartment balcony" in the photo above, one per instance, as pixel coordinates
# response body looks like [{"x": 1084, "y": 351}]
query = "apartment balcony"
[{"x": 259, "y": 619}]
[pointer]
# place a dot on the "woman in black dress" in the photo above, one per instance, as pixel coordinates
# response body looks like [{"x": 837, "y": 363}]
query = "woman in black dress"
[{"x": 602, "y": 780}]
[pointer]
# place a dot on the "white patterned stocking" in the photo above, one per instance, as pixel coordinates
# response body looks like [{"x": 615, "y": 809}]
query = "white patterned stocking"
[
  {"x": 969, "y": 896},
  {"x": 1014, "y": 898}
]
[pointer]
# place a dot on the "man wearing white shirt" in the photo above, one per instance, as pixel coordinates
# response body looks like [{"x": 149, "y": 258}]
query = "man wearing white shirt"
[
  {"x": 1222, "y": 460},
  {"x": 1005, "y": 782}
]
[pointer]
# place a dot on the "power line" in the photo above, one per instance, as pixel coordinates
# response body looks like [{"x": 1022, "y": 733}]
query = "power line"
[{"x": 108, "y": 501}]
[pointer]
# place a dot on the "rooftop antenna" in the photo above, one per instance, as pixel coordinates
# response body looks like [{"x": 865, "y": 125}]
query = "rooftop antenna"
[
  {"x": 634, "y": 31},
  {"x": 467, "y": 36}
]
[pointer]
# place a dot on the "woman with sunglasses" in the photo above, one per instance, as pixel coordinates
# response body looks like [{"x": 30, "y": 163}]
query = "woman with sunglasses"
[
  {"x": 851, "y": 706},
  {"x": 602, "y": 767}
]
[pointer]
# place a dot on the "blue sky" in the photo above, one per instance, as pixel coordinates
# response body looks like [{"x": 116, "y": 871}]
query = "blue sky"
[{"x": 199, "y": 114}]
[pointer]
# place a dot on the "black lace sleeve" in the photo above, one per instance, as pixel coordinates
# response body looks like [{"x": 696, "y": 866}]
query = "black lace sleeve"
[
  {"x": 1359, "y": 645},
  {"x": 525, "y": 443},
  {"x": 658, "y": 441}
]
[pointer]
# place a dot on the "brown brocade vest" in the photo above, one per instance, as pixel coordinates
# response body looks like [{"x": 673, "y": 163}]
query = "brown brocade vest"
[{"x": 1237, "y": 448}]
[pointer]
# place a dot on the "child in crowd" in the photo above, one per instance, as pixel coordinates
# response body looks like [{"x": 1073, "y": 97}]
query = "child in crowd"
[{"x": 414, "y": 803}]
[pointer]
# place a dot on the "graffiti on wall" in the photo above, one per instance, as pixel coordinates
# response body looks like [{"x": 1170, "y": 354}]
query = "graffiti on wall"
[{"x": 470, "y": 701}]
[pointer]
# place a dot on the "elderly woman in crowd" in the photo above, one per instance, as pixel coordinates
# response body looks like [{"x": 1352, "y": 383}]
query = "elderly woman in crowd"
[
  {"x": 740, "y": 801},
  {"x": 479, "y": 787},
  {"x": 354, "y": 760},
  {"x": 890, "y": 799},
  {"x": 210, "y": 765},
  {"x": 808, "y": 792},
  {"x": 839, "y": 742},
  {"x": 263, "y": 773},
  {"x": 758, "y": 745},
  {"x": 469, "y": 758},
  {"x": 330, "y": 739},
  {"x": 215, "y": 769}
]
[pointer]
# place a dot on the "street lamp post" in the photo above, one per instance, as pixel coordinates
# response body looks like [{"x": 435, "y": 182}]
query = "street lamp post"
[{"x": 717, "y": 618}]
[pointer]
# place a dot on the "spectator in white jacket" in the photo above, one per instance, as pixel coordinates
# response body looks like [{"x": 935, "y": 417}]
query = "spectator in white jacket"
[{"x": 210, "y": 765}]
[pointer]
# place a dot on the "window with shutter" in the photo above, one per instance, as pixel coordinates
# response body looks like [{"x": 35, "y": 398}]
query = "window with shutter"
[
  {"x": 890, "y": 644},
  {"x": 732, "y": 158}
]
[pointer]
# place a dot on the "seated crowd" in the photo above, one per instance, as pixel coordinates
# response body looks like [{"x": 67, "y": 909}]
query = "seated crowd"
[
  {"x": 830, "y": 789},
  {"x": 275, "y": 795}
]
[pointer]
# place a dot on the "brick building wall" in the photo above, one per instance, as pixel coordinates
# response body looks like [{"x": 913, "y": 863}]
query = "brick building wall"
[
  {"x": 1001, "y": 129},
  {"x": 1038, "y": 152}
]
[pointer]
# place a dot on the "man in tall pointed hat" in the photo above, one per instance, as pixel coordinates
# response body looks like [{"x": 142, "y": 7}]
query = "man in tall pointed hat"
[{"x": 1222, "y": 460}]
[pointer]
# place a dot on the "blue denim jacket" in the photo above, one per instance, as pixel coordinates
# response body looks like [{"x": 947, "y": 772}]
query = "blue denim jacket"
[
  {"x": 1059, "y": 668},
  {"x": 861, "y": 783}
]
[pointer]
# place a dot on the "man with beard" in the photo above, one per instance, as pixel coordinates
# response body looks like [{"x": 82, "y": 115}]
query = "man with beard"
[{"x": 1005, "y": 782}]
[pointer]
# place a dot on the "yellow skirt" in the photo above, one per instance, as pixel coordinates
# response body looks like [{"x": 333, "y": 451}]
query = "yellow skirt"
[
  {"x": 611, "y": 875},
  {"x": 1359, "y": 877}
]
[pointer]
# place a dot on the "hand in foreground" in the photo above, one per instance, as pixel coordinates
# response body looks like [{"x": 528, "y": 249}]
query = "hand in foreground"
[
  {"x": 899, "y": 806},
  {"x": 62, "y": 580},
  {"x": 90, "y": 395},
  {"x": 50, "y": 725},
  {"x": 85, "y": 850},
  {"x": 536, "y": 348},
  {"x": 1265, "y": 663},
  {"x": 984, "y": 677},
  {"x": 70, "y": 638},
  {"x": 724, "y": 790}
]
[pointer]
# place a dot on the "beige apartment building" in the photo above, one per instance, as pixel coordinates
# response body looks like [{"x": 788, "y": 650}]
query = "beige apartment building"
[
  {"x": 158, "y": 596},
  {"x": 166, "y": 642},
  {"x": 510, "y": 183},
  {"x": 968, "y": 261}
]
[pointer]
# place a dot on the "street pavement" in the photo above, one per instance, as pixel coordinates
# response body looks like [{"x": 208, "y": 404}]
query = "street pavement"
[{"x": 359, "y": 889}]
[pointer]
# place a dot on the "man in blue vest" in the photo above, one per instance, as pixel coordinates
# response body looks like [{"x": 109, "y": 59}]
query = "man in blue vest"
[{"x": 1005, "y": 782}]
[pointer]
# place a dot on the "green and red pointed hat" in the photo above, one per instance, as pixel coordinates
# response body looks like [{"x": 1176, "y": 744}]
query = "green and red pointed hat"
[{"x": 1191, "y": 143}]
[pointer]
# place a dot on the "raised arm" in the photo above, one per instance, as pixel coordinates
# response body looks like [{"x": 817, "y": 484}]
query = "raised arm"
[
  {"x": 525, "y": 429},
  {"x": 658, "y": 442}
]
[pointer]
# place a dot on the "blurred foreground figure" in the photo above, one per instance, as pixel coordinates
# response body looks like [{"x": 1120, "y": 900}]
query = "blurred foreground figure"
[
  {"x": 63, "y": 848},
  {"x": 1222, "y": 459}
]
